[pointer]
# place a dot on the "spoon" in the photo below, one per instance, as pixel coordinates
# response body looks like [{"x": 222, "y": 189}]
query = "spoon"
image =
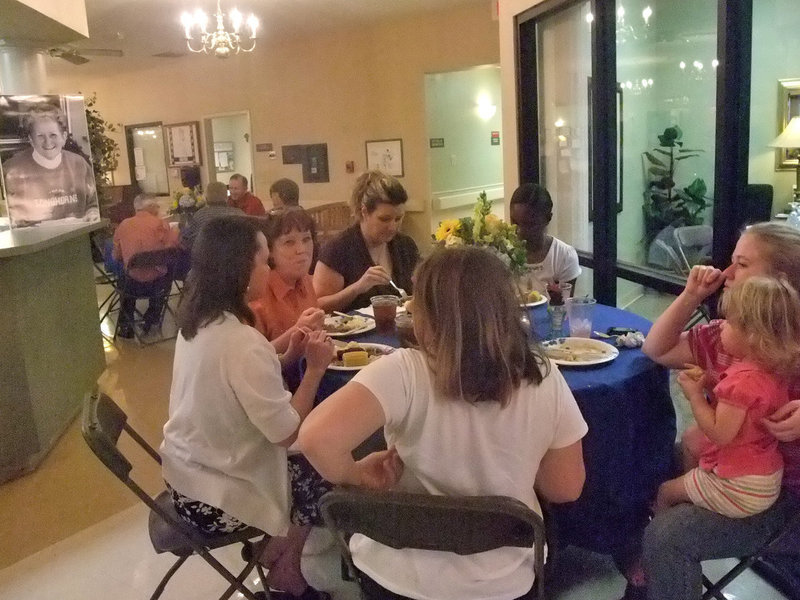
[{"x": 399, "y": 289}]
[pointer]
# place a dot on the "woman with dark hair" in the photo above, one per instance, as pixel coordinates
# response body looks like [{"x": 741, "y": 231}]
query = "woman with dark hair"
[
  {"x": 230, "y": 418},
  {"x": 361, "y": 261},
  {"x": 475, "y": 393},
  {"x": 550, "y": 260}
]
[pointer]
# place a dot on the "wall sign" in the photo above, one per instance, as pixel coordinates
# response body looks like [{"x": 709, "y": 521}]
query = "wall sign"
[
  {"x": 495, "y": 138},
  {"x": 263, "y": 147},
  {"x": 437, "y": 142}
]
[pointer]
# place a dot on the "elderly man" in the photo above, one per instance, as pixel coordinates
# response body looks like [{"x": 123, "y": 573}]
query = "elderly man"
[
  {"x": 242, "y": 199},
  {"x": 216, "y": 207},
  {"x": 284, "y": 193},
  {"x": 143, "y": 232}
]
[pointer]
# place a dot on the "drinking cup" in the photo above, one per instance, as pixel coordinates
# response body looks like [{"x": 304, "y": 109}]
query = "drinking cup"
[
  {"x": 385, "y": 310},
  {"x": 579, "y": 315},
  {"x": 405, "y": 330}
]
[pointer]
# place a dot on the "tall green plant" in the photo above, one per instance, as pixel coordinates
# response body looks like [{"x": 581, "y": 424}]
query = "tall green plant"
[
  {"x": 664, "y": 203},
  {"x": 105, "y": 151}
]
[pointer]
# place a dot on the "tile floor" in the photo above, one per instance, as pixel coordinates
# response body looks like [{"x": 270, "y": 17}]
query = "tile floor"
[{"x": 78, "y": 533}]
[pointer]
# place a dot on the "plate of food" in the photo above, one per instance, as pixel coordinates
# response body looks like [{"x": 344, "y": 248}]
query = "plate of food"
[
  {"x": 579, "y": 352},
  {"x": 354, "y": 356},
  {"x": 342, "y": 325},
  {"x": 534, "y": 298}
]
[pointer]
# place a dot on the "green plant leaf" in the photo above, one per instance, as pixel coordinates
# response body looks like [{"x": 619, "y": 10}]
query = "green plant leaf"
[
  {"x": 658, "y": 171},
  {"x": 660, "y": 151},
  {"x": 654, "y": 160},
  {"x": 685, "y": 150},
  {"x": 687, "y": 156}
]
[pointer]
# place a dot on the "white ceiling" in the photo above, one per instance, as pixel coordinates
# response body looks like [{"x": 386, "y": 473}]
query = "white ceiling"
[{"x": 147, "y": 27}]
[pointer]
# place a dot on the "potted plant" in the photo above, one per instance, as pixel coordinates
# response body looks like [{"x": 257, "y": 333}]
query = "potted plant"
[
  {"x": 105, "y": 151},
  {"x": 664, "y": 203}
]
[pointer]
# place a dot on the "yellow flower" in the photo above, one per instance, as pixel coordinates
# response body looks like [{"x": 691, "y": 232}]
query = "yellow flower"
[
  {"x": 493, "y": 224},
  {"x": 447, "y": 228}
]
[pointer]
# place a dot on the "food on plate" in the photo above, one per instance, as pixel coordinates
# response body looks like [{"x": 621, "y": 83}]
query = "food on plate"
[
  {"x": 534, "y": 296},
  {"x": 694, "y": 372},
  {"x": 576, "y": 351},
  {"x": 344, "y": 323},
  {"x": 355, "y": 358},
  {"x": 357, "y": 355}
]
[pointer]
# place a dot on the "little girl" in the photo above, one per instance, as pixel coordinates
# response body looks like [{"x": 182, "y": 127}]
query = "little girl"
[{"x": 737, "y": 466}]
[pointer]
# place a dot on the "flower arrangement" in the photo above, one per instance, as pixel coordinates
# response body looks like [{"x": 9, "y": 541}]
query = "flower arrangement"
[
  {"x": 186, "y": 200},
  {"x": 487, "y": 231}
]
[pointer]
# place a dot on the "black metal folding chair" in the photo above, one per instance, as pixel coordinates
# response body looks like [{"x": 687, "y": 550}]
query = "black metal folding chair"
[
  {"x": 103, "y": 423},
  {"x": 773, "y": 545},
  {"x": 465, "y": 525}
]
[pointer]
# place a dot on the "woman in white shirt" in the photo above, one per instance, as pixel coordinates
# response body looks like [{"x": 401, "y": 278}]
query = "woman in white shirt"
[
  {"x": 474, "y": 411},
  {"x": 550, "y": 260},
  {"x": 230, "y": 418}
]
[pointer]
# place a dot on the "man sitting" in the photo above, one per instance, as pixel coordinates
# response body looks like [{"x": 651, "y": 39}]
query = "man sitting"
[
  {"x": 284, "y": 193},
  {"x": 142, "y": 232},
  {"x": 243, "y": 199},
  {"x": 216, "y": 207}
]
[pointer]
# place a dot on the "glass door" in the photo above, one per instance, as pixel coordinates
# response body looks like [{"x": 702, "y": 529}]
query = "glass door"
[
  {"x": 146, "y": 158},
  {"x": 563, "y": 48},
  {"x": 666, "y": 72}
]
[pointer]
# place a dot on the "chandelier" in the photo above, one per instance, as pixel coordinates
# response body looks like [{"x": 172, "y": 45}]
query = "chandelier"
[{"x": 220, "y": 43}]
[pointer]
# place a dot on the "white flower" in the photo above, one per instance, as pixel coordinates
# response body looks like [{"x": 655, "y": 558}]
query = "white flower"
[{"x": 453, "y": 240}]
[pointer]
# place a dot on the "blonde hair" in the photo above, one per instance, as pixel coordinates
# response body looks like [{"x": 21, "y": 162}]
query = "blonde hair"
[
  {"x": 373, "y": 188},
  {"x": 767, "y": 311},
  {"x": 781, "y": 244},
  {"x": 467, "y": 320}
]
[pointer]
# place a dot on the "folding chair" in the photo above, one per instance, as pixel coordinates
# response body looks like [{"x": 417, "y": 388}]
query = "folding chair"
[
  {"x": 693, "y": 241},
  {"x": 103, "y": 423},
  {"x": 106, "y": 274},
  {"x": 771, "y": 546},
  {"x": 465, "y": 525},
  {"x": 129, "y": 289}
]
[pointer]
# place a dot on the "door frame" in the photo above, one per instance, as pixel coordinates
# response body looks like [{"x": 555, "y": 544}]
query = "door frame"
[
  {"x": 132, "y": 163},
  {"x": 208, "y": 131}
]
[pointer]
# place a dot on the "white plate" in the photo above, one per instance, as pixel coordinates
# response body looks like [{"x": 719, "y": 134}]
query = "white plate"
[
  {"x": 369, "y": 324},
  {"x": 383, "y": 347},
  {"x": 781, "y": 216},
  {"x": 599, "y": 352},
  {"x": 537, "y": 303}
]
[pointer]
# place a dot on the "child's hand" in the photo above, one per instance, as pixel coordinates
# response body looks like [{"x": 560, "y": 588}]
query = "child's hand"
[{"x": 691, "y": 386}]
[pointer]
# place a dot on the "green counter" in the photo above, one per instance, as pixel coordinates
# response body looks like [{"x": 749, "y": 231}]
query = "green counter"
[{"x": 51, "y": 351}]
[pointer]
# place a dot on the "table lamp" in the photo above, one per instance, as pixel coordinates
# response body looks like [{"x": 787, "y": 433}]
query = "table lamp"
[{"x": 790, "y": 138}]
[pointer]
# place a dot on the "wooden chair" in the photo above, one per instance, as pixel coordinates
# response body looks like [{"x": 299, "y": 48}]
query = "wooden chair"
[
  {"x": 102, "y": 426},
  {"x": 330, "y": 219},
  {"x": 463, "y": 525}
]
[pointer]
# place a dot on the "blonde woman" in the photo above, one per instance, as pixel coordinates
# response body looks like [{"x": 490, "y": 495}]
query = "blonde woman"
[
  {"x": 474, "y": 411},
  {"x": 361, "y": 261}
]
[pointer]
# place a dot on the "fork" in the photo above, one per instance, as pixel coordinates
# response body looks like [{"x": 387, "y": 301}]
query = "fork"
[{"x": 399, "y": 289}]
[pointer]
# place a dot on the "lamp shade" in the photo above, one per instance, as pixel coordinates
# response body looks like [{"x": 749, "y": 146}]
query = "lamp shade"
[{"x": 790, "y": 138}]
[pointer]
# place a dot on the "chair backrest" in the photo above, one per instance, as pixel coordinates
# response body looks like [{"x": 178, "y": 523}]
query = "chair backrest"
[
  {"x": 165, "y": 257},
  {"x": 463, "y": 525},
  {"x": 758, "y": 203},
  {"x": 672, "y": 257},
  {"x": 694, "y": 241},
  {"x": 330, "y": 219}
]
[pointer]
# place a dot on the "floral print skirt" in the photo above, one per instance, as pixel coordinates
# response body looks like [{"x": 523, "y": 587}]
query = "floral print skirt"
[{"x": 307, "y": 488}]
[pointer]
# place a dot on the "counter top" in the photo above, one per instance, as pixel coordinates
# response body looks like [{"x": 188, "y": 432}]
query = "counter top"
[{"x": 27, "y": 240}]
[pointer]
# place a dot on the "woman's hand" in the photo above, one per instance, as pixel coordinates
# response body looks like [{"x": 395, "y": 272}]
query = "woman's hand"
[
  {"x": 784, "y": 423},
  {"x": 380, "y": 470},
  {"x": 319, "y": 351},
  {"x": 703, "y": 281},
  {"x": 296, "y": 347},
  {"x": 311, "y": 319},
  {"x": 373, "y": 276}
]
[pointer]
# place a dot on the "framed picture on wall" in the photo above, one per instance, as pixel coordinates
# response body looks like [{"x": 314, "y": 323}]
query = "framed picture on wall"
[
  {"x": 386, "y": 155},
  {"x": 183, "y": 144}
]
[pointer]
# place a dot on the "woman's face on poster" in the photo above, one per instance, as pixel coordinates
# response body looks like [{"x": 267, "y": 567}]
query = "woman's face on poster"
[{"x": 47, "y": 138}]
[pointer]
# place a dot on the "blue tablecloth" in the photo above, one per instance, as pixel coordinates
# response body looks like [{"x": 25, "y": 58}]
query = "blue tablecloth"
[{"x": 628, "y": 450}]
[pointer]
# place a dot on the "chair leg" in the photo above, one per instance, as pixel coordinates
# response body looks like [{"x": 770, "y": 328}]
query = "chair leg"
[
  {"x": 715, "y": 590},
  {"x": 165, "y": 580}
]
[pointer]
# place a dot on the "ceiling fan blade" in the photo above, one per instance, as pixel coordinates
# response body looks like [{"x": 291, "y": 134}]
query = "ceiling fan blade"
[
  {"x": 75, "y": 59},
  {"x": 99, "y": 52}
]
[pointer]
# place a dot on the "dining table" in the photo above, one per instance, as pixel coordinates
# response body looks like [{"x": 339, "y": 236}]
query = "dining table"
[{"x": 628, "y": 450}]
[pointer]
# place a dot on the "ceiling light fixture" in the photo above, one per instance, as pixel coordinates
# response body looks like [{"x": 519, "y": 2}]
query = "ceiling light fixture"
[{"x": 220, "y": 43}]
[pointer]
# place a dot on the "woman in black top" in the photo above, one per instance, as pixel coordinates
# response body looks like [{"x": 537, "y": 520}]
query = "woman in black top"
[{"x": 360, "y": 262}]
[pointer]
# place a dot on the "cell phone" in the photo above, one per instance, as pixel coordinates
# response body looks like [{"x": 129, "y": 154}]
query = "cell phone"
[{"x": 620, "y": 330}]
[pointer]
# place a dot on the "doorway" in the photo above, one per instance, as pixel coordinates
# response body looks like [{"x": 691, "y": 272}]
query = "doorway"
[
  {"x": 465, "y": 154},
  {"x": 147, "y": 158},
  {"x": 229, "y": 148}
]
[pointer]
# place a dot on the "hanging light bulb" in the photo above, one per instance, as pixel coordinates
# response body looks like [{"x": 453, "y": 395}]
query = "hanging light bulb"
[
  {"x": 646, "y": 14},
  {"x": 220, "y": 43}
]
